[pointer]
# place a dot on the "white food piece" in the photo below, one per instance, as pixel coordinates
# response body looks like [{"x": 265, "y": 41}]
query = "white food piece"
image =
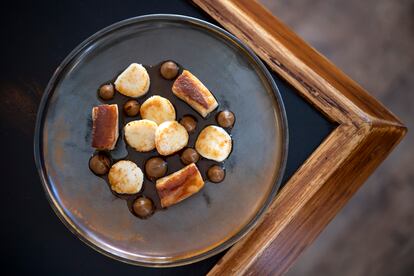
[
  {"x": 157, "y": 109},
  {"x": 214, "y": 143},
  {"x": 125, "y": 177},
  {"x": 133, "y": 81},
  {"x": 140, "y": 135},
  {"x": 170, "y": 137}
]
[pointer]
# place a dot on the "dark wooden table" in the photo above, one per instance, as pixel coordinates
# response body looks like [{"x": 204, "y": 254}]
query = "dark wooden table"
[{"x": 36, "y": 38}]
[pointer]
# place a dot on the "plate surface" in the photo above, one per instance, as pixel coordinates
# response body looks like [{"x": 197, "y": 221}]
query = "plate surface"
[{"x": 208, "y": 222}]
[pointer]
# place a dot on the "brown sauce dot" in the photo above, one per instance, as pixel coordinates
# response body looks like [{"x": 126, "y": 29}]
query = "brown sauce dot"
[
  {"x": 225, "y": 119},
  {"x": 143, "y": 207},
  {"x": 189, "y": 123},
  {"x": 106, "y": 91},
  {"x": 169, "y": 70},
  {"x": 155, "y": 168},
  {"x": 215, "y": 174},
  {"x": 189, "y": 156},
  {"x": 131, "y": 108},
  {"x": 100, "y": 164}
]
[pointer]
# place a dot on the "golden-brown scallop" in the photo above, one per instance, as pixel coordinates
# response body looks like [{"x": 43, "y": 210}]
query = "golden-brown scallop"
[
  {"x": 214, "y": 143},
  {"x": 125, "y": 177},
  {"x": 133, "y": 81},
  {"x": 157, "y": 109},
  {"x": 170, "y": 137},
  {"x": 140, "y": 135}
]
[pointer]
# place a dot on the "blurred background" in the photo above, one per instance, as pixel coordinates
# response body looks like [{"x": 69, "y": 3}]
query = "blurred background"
[{"x": 373, "y": 42}]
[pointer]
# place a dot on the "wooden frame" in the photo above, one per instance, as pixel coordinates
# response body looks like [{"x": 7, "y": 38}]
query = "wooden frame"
[{"x": 366, "y": 134}]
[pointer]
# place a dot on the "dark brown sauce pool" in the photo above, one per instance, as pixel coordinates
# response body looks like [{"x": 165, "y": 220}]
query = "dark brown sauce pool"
[{"x": 162, "y": 87}]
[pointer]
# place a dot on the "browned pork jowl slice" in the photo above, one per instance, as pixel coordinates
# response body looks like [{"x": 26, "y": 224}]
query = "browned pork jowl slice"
[
  {"x": 105, "y": 126},
  {"x": 179, "y": 185},
  {"x": 191, "y": 90}
]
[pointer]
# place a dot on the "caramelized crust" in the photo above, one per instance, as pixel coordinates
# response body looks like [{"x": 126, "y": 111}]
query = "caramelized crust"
[
  {"x": 179, "y": 185},
  {"x": 188, "y": 88},
  {"x": 105, "y": 126},
  {"x": 191, "y": 90}
]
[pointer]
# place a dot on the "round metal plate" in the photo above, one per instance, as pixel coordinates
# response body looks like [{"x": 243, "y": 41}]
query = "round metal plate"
[{"x": 196, "y": 228}]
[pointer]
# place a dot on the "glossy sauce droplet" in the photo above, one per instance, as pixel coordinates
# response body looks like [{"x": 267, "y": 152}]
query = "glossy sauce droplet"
[
  {"x": 155, "y": 168},
  {"x": 131, "y": 108},
  {"x": 189, "y": 156},
  {"x": 216, "y": 174},
  {"x": 143, "y": 207},
  {"x": 100, "y": 164},
  {"x": 169, "y": 70},
  {"x": 189, "y": 123},
  {"x": 226, "y": 119},
  {"x": 106, "y": 92}
]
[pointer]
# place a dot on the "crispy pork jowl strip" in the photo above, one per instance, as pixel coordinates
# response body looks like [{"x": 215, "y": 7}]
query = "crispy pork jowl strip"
[
  {"x": 180, "y": 185},
  {"x": 105, "y": 126},
  {"x": 191, "y": 90}
]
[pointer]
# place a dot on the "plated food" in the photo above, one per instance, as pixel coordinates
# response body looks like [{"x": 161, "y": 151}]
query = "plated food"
[
  {"x": 125, "y": 177},
  {"x": 143, "y": 207},
  {"x": 105, "y": 126},
  {"x": 189, "y": 156},
  {"x": 214, "y": 143},
  {"x": 170, "y": 137},
  {"x": 132, "y": 108},
  {"x": 204, "y": 223},
  {"x": 226, "y": 119},
  {"x": 189, "y": 123},
  {"x": 149, "y": 125},
  {"x": 107, "y": 91},
  {"x": 216, "y": 174},
  {"x": 140, "y": 134},
  {"x": 169, "y": 70},
  {"x": 100, "y": 164},
  {"x": 178, "y": 186},
  {"x": 191, "y": 90},
  {"x": 158, "y": 109},
  {"x": 156, "y": 167},
  {"x": 133, "y": 81}
]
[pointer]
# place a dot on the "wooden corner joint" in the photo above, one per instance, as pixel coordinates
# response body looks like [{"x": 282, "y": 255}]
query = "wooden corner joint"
[
  {"x": 366, "y": 133},
  {"x": 311, "y": 198}
]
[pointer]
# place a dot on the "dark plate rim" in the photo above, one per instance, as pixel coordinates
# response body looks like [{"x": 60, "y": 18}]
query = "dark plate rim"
[{"x": 40, "y": 120}]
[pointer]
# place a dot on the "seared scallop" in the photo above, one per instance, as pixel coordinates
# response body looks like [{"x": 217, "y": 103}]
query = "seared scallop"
[
  {"x": 125, "y": 177},
  {"x": 214, "y": 143},
  {"x": 158, "y": 109},
  {"x": 140, "y": 135},
  {"x": 170, "y": 137},
  {"x": 134, "y": 81}
]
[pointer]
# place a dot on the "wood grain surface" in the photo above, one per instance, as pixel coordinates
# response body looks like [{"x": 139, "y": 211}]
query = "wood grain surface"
[{"x": 366, "y": 134}]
